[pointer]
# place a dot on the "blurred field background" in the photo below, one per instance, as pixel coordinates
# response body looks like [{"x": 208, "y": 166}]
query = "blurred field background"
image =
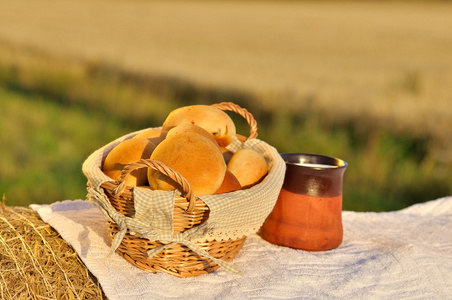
[{"x": 367, "y": 81}]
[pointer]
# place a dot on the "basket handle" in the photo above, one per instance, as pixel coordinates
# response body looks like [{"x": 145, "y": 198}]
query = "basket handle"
[
  {"x": 244, "y": 113},
  {"x": 185, "y": 189}
]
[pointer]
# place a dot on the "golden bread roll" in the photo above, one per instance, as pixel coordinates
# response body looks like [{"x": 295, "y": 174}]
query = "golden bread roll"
[
  {"x": 241, "y": 138},
  {"x": 126, "y": 152},
  {"x": 155, "y": 135},
  {"x": 248, "y": 166},
  {"x": 214, "y": 120},
  {"x": 195, "y": 157},
  {"x": 230, "y": 184},
  {"x": 184, "y": 128}
]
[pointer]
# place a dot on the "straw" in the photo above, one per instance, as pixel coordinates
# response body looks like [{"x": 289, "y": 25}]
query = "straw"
[{"x": 36, "y": 263}]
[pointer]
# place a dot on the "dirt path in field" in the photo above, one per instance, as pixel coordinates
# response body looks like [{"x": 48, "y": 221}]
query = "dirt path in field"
[{"x": 388, "y": 60}]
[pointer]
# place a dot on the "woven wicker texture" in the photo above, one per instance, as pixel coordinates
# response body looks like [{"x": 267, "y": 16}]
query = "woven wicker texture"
[{"x": 175, "y": 231}]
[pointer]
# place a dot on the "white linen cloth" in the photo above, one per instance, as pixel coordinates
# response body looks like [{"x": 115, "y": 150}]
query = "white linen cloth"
[{"x": 404, "y": 254}]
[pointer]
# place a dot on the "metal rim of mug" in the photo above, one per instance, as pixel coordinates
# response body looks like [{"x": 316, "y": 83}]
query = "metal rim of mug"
[{"x": 297, "y": 158}]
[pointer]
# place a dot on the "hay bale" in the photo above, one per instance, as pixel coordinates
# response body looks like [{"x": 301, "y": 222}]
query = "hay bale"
[{"x": 36, "y": 263}]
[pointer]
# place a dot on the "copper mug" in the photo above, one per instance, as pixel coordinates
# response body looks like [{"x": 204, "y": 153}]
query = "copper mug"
[{"x": 308, "y": 212}]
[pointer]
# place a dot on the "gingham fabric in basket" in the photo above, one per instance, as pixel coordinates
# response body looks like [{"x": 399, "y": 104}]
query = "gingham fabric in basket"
[{"x": 232, "y": 215}]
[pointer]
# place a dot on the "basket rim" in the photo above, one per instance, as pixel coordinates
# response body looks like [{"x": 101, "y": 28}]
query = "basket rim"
[{"x": 99, "y": 185}]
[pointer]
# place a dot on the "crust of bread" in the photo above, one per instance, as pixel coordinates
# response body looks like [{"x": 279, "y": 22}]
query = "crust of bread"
[
  {"x": 126, "y": 152},
  {"x": 248, "y": 166},
  {"x": 184, "y": 128},
  {"x": 214, "y": 120},
  {"x": 155, "y": 135},
  {"x": 230, "y": 184},
  {"x": 195, "y": 157}
]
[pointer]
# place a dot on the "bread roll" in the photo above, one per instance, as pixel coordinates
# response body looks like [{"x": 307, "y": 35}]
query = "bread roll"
[
  {"x": 155, "y": 135},
  {"x": 126, "y": 152},
  {"x": 195, "y": 157},
  {"x": 214, "y": 120},
  {"x": 248, "y": 166},
  {"x": 230, "y": 184},
  {"x": 184, "y": 128},
  {"x": 241, "y": 138}
]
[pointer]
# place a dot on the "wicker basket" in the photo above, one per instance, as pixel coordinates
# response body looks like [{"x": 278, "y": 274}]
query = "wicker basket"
[{"x": 189, "y": 212}]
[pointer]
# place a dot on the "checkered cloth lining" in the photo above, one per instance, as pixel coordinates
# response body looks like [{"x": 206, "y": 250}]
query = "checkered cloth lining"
[{"x": 232, "y": 215}]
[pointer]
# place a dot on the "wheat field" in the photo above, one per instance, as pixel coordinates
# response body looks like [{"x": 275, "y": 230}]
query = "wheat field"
[
  {"x": 388, "y": 61},
  {"x": 366, "y": 81}
]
